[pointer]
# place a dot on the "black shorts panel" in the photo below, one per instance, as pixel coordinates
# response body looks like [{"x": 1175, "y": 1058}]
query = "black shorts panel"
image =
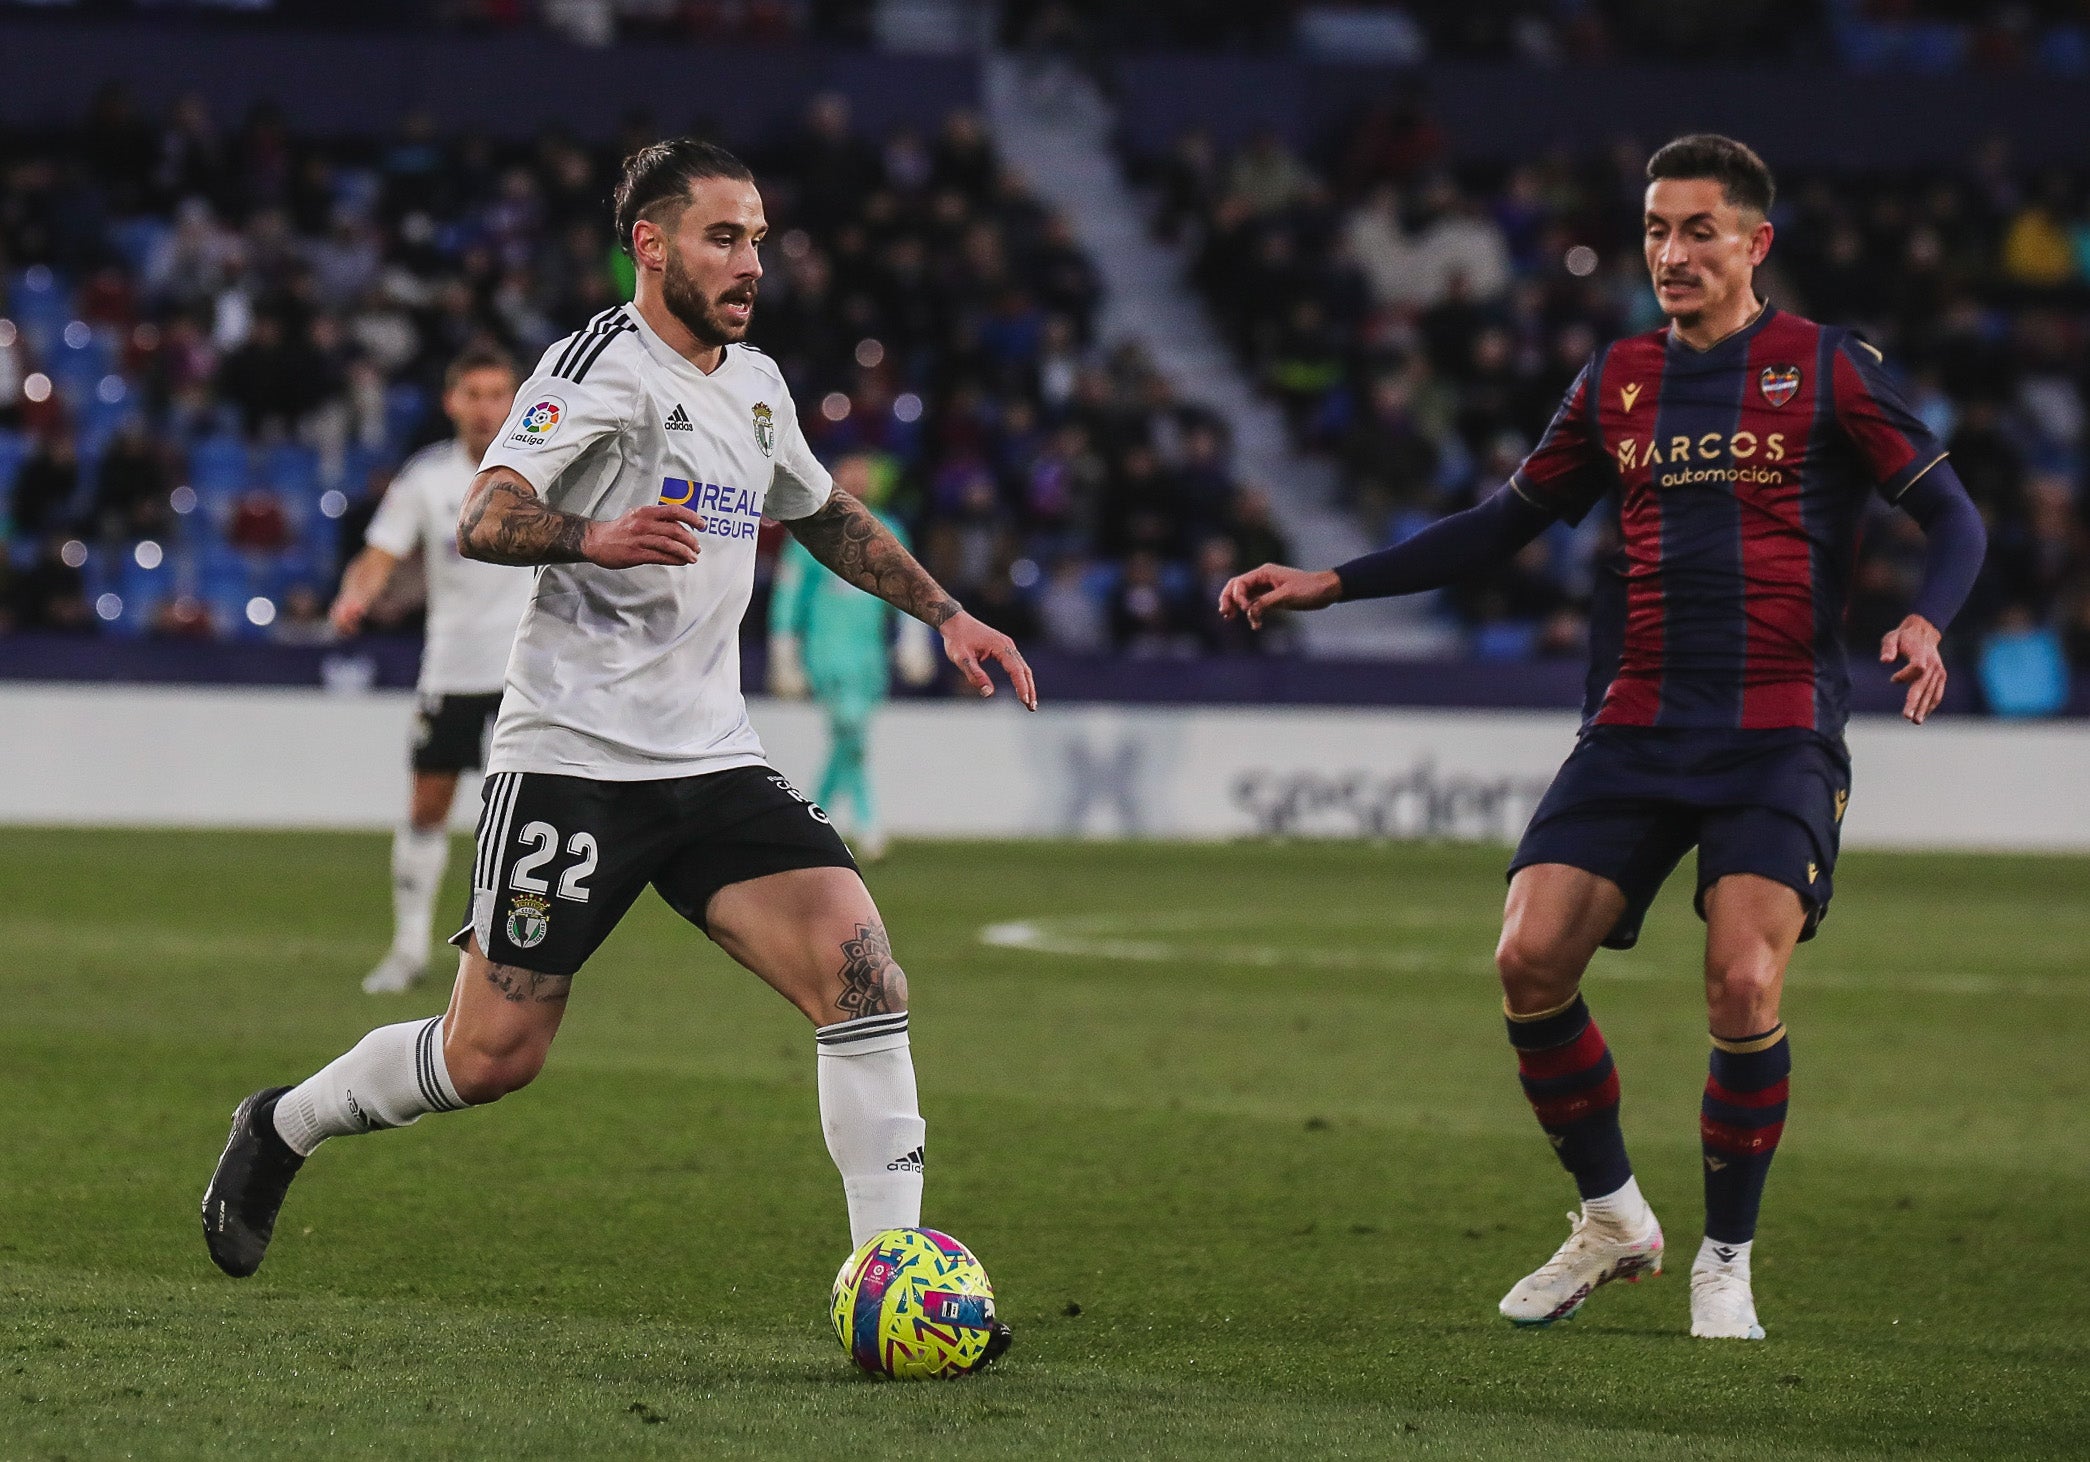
[
  {"x": 450, "y": 731},
  {"x": 1629, "y": 802},
  {"x": 561, "y": 859}
]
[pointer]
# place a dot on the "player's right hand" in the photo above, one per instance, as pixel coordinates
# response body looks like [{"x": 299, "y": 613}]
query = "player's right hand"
[
  {"x": 346, "y": 615},
  {"x": 1272, "y": 587},
  {"x": 656, "y": 534}
]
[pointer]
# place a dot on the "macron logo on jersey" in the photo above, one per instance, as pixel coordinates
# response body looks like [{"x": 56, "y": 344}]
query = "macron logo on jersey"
[
  {"x": 678, "y": 419},
  {"x": 729, "y": 512}
]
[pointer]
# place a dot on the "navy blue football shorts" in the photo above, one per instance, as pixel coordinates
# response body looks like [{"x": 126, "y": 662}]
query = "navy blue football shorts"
[{"x": 1630, "y": 801}]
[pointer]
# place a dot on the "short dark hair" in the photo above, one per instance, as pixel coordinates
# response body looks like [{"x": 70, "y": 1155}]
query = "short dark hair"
[
  {"x": 1743, "y": 177},
  {"x": 479, "y": 357},
  {"x": 661, "y": 174}
]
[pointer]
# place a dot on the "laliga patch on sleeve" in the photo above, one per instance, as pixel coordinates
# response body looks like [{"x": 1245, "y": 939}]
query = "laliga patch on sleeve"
[{"x": 539, "y": 423}]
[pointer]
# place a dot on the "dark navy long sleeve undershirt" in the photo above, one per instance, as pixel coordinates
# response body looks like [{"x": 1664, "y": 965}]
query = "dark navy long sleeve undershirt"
[
  {"x": 1954, "y": 542},
  {"x": 1449, "y": 550}
]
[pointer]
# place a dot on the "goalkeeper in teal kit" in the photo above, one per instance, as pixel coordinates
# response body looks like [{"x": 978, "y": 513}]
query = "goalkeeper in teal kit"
[{"x": 832, "y": 640}]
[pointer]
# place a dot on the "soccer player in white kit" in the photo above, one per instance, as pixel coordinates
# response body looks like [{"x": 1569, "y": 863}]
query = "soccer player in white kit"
[
  {"x": 636, "y": 467},
  {"x": 472, "y": 612}
]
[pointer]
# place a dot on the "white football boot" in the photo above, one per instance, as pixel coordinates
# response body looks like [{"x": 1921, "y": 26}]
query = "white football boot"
[
  {"x": 395, "y": 974},
  {"x": 1596, "y": 1252},
  {"x": 1722, "y": 1305}
]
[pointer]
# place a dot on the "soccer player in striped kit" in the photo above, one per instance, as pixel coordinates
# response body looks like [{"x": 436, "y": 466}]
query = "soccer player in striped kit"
[{"x": 1740, "y": 444}]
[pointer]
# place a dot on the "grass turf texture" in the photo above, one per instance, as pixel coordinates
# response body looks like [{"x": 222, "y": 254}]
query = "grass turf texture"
[{"x": 1234, "y": 1129}]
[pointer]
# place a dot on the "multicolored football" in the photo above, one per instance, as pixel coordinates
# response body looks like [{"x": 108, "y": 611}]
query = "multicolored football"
[{"x": 914, "y": 1305}]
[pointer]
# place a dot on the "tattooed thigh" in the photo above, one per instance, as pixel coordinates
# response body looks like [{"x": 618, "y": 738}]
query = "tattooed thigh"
[
  {"x": 527, "y": 987},
  {"x": 871, "y": 983}
]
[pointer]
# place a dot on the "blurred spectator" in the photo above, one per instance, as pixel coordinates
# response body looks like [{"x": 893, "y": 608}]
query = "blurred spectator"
[
  {"x": 258, "y": 523},
  {"x": 302, "y": 618},
  {"x": 2023, "y": 670},
  {"x": 1146, "y": 619},
  {"x": 131, "y": 488},
  {"x": 45, "y": 485},
  {"x": 1071, "y": 618},
  {"x": 50, "y": 595},
  {"x": 183, "y": 617}
]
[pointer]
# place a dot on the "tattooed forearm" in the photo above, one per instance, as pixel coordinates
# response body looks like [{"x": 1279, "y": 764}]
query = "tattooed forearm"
[
  {"x": 871, "y": 983},
  {"x": 505, "y": 522},
  {"x": 848, "y": 539},
  {"x": 526, "y": 987}
]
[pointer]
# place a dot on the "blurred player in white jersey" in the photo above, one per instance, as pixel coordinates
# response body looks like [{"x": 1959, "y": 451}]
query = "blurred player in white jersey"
[
  {"x": 636, "y": 468},
  {"x": 472, "y": 613}
]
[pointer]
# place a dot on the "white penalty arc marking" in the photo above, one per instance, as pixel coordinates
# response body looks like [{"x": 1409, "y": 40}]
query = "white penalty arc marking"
[{"x": 1128, "y": 940}]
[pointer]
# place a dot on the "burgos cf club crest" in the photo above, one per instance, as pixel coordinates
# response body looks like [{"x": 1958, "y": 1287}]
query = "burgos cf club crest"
[
  {"x": 1779, "y": 382},
  {"x": 529, "y": 920},
  {"x": 765, "y": 429},
  {"x": 538, "y": 423}
]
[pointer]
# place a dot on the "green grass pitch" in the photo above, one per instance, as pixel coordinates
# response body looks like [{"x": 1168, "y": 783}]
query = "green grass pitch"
[{"x": 1234, "y": 1129}]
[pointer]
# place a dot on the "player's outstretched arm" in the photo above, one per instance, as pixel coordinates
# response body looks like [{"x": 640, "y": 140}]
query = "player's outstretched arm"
[
  {"x": 361, "y": 582},
  {"x": 848, "y": 539},
  {"x": 504, "y": 521},
  {"x": 1443, "y": 553}
]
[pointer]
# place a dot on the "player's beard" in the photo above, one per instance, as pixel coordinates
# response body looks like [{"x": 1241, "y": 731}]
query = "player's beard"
[{"x": 699, "y": 315}]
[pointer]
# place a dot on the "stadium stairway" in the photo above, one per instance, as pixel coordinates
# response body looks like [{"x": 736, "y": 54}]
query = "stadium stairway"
[{"x": 1054, "y": 126}]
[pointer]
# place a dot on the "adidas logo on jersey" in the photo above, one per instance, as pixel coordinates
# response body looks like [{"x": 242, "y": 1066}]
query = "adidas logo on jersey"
[{"x": 678, "y": 419}]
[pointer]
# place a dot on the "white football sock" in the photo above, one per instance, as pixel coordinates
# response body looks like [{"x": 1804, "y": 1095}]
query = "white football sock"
[
  {"x": 872, "y": 1121},
  {"x": 393, "y": 1076},
  {"x": 418, "y": 859},
  {"x": 1734, "y": 1258},
  {"x": 1623, "y": 1209}
]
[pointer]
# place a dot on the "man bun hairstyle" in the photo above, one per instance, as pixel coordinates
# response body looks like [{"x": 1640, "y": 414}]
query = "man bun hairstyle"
[
  {"x": 1743, "y": 177},
  {"x": 478, "y": 357},
  {"x": 655, "y": 181}
]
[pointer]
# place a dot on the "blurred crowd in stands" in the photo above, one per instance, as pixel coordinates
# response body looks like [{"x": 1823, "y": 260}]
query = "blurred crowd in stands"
[
  {"x": 1420, "y": 323},
  {"x": 216, "y": 342},
  {"x": 1909, "y": 36},
  {"x": 1926, "y": 36}
]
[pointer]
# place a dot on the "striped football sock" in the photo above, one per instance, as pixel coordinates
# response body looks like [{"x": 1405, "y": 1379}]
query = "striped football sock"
[
  {"x": 1572, "y": 1085},
  {"x": 1739, "y": 1124},
  {"x": 391, "y": 1078},
  {"x": 872, "y": 1120}
]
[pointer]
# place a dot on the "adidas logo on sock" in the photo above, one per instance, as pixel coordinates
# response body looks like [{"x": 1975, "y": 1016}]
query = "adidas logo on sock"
[
  {"x": 912, "y": 1163},
  {"x": 678, "y": 419}
]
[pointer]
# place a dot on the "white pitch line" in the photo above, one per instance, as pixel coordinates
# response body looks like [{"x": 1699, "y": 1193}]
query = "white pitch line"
[{"x": 1100, "y": 938}]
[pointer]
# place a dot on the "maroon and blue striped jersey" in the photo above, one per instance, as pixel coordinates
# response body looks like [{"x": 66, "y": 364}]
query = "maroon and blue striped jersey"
[{"x": 1741, "y": 474}]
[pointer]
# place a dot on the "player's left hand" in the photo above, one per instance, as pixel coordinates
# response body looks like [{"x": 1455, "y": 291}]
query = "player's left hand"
[
  {"x": 968, "y": 642},
  {"x": 1916, "y": 640}
]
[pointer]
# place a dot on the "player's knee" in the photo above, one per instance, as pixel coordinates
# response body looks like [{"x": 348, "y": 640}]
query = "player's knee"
[
  {"x": 860, "y": 991},
  {"x": 486, "y": 1071},
  {"x": 1743, "y": 982},
  {"x": 1534, "y": 972}
]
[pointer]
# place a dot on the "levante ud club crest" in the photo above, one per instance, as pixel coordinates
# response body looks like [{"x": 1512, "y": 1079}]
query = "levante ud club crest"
[{"x": 1779, "y": 382}]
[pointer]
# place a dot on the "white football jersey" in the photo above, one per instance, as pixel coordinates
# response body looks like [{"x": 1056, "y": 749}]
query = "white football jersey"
[
  {"x": 472, "y": 607},
  {"x": 634, "y": 674}
]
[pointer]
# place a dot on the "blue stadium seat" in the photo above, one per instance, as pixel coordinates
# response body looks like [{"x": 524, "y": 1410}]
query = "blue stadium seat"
[
  {"x": 143, "y": 591},
  {"x": 1514, "y": 639},
  {"x": 218, "y": 470},
  {"x": 290, "y": 467},
  {"x": 14, "y": 450},
  {"x": 40, "y": 304},
  {"x": 405, "y": 405},
  {"x": 136, "y": 238}
]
